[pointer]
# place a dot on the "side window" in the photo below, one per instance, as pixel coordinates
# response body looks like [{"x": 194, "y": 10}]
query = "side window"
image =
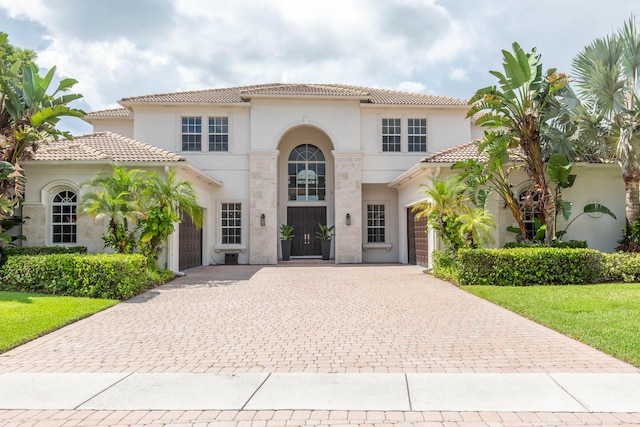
[
  {"x": 528, "y": 200},
  {"x": 218, "y": 134},
  {"x": 63, "y": 217},
  {"x": 231, "y": 223},
  {"x": 191, "y": 133},
  {"x": 417, "y": 135},
  {"x": 376, "y": 223},
  {"x": 391, "y": 135}
]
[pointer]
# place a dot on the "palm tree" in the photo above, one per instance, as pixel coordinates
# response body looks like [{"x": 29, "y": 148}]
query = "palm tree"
[
  {"x": 447, "y": 199},
  {"x": 117, "y": 200},
  {"x": 164, "y": 200},
  {"x": 476, "y": 227},
  {"x": 608, "y": 109},
  {"x": 519, "y": 113}
]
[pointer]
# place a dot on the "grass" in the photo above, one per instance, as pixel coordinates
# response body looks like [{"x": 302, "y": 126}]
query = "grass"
[
  {"x": 25, "y": 316},
  {"x": 605, "y": 316}
]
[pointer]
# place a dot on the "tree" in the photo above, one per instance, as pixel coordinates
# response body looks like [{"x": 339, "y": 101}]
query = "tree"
[
  {"x": 165, "y": 200},
  {"x": 608, "y": 108},
  {"x": 115, "y": 198},
  {"x": 28, "y": 117},
  {"x": 519, "y": 113}
]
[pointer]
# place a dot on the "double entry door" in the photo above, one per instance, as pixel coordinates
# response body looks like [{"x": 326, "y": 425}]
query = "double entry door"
[{"x": 305, "y": 220}]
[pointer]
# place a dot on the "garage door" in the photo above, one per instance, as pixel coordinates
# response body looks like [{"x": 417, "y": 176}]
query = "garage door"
[
  {"x": 418, "y": 239},
  {"x": 190, "y": 244}
]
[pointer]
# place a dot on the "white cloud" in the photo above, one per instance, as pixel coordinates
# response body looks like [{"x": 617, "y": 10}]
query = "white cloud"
[{"x": 459, "y": 74}]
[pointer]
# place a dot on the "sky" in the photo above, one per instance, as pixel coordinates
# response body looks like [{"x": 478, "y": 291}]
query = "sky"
[{"x": 122, "y": 48}]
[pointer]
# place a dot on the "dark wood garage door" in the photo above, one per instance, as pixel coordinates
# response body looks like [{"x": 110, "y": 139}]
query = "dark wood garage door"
[
  {"x": 418, "y": 239},
  {"x": 190, "y": 244}
]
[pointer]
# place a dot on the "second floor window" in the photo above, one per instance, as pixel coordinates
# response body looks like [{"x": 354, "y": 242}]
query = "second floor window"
[
  {"x": 391, "y": 135},
  {"x": 417, "y": 135},
  {"x": 218, "y": 134},
  {"x": 192, "y": 134}
]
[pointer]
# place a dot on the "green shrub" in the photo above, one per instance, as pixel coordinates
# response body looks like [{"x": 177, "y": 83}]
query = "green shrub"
[
  {"x": 569, "y": 244},
  {"x": 621, "y": 266},
  {"x": 445, "y": 265},
  {"x": 529, "y": 266},
  {"x": 45, "y": 250},
  {"x": 96, "y": 276}
]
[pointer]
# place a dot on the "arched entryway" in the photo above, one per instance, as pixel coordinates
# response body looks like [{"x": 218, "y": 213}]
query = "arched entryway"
[{"x": 305, "y": 187}]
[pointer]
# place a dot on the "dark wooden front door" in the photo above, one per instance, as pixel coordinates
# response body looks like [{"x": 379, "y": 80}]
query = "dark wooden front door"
[
  {"x": 305, "y": 222},
  {"x": 190, "y": 245},
  {"x": 418, "y": 240}
]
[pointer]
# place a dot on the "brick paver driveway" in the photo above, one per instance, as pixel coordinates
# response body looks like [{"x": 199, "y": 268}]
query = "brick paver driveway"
[{"x": 233, "y": 319}]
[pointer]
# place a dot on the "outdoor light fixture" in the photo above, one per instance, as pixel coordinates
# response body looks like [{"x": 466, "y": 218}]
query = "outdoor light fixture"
[
  {"x": 348, "y": 220},
  {"x": 262, "y": 220}
]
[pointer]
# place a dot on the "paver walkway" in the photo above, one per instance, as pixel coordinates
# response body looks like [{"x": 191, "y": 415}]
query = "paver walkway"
[{"x": 307, "y": 319}]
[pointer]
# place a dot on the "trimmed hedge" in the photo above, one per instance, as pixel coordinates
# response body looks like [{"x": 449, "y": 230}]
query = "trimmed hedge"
[
  {"x": 569, "y": 244},
  {"x": 529, "y": 266},
  {"x": 44, "y": 250},
  {"x": 97, "y": 276},
  {"x": 445, "y": 265},
  {"x": 621, "y": 266}
]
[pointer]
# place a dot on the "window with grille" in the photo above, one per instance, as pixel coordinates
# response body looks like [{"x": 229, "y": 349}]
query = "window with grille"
[
  {"x": 376, "y": 223},
  {"x": 391, "y": 135},
  {"x": 218, "y": 134},
  {"x": 417, "y": 135},
  {"x": 192, "y": 134},
  {"x": 63, "y": 218},
  {"x": 306, "y": 174},
  {"x": 231, "y": 223}
]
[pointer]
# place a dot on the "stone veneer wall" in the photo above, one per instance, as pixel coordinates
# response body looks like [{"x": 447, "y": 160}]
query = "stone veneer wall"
[
  {"x": 263, "y": 199},
  {"x": 348, "y": 199}
]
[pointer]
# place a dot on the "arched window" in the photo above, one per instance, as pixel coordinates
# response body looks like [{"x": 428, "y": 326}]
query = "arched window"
[
  {"x": 306, "y": 174},
  {"x": 63, "y": 217}
]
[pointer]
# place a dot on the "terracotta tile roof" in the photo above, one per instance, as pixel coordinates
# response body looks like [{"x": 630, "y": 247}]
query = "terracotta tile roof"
[
  {"x": 241, "y": 94},
  {"x": 105, "y": 146},
  {"x": 115, "y": 112},
  {"x": 458, "y": 153}
]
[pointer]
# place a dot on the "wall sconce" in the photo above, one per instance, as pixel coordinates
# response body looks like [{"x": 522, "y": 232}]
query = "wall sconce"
[
  {"x": 262, "y": 220},
  {"x": 348, "y": 219}
]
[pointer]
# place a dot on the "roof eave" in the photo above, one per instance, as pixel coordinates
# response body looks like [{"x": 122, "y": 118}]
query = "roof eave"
[
  {"x": 430, "y": 106},
  {"x": 359, "y": 98},
  {"x": 130, "y": 104}
]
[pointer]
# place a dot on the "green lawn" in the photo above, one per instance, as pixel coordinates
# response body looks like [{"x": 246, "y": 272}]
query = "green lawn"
[
  {"x": 605, "y": 316},
  {"x": 24, "y": 317}
]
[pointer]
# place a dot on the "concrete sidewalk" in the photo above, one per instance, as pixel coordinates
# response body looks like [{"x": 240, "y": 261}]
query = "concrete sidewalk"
[{"x": 329, "y": 392}]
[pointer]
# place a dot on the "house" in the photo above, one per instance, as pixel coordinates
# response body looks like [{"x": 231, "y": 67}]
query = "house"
[{"x": 264, "y": 155}]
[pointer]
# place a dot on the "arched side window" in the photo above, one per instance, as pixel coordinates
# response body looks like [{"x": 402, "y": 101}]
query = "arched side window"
[
  {"x": 306, "y": 174},
  {"x": 63, "y": 217}
]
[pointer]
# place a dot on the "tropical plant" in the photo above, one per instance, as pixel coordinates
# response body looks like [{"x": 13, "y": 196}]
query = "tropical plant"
[
  {"x": 164, "y": 200},
  {"x": 325, "y": 233},
  {"x": 286, "y": 232},
  {"x": 449, "y": 213},
  {"x": 519, "y": 113},
  {"x": 608, "y": 107},
  {"x": 116, "y": 199}
]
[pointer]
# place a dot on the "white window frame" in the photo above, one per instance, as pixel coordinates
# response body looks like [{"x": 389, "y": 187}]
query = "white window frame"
[
  {"x": 47, "y": 195},
  {"x": 365, "y": 229},
  {"x": 190, "y": 133},
  {"x": 238, "y": 247},
  {"x": 424, "y": 135},
  {"x": 384, "y": 134},
  {"x": 215, "y": 134}
]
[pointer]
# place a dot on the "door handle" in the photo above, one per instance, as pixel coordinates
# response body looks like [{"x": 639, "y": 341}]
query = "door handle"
[{"x": 306, "y": 239}]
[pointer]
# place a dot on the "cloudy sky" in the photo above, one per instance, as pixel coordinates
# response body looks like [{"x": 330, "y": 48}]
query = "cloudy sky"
[{"x": 122, "y": 48}]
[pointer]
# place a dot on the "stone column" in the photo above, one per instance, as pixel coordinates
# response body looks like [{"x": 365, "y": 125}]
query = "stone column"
[
  {"x": 263, "y": 199},
  {"x": 348, "y": 200}
]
